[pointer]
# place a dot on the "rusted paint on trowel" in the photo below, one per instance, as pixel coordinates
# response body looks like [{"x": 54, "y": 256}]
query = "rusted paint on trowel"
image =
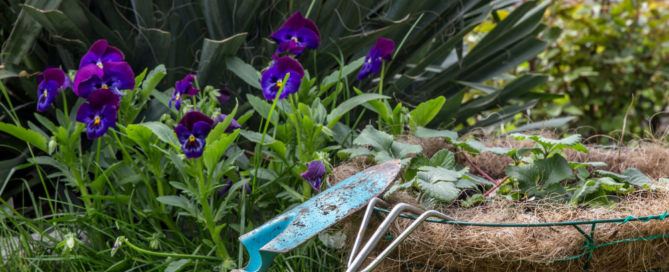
[{"x": 292, "y": 228}]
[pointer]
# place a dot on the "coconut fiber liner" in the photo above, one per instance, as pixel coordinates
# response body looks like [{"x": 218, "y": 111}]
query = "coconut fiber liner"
[{"x": 627, "y": 245}]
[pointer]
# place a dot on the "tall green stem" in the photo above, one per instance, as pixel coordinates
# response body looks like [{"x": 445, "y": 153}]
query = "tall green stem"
[
  {"x": 309, "y": 10},
  {"x": 208, "y": 216},
  {"x": 383, "y": 72},
  {"x": 97, "y": 158},
  {"x": 161, "y": 254},
  {"x": 298, "y": 123},
  {"x": 65, "y": 111},
  {"x": 242, "y": 227},
  {"x": 258, "y": 156}
]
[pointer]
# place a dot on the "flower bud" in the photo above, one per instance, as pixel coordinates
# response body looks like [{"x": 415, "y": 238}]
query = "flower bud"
[{"x": 53, "y": 145}]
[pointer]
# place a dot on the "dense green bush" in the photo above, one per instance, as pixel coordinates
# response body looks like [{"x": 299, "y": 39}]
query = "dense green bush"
[{"x": 604, "y": 57}]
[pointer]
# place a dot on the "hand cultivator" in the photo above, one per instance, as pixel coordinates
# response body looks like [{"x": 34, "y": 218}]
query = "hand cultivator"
[{"x": 291, "y": 229}]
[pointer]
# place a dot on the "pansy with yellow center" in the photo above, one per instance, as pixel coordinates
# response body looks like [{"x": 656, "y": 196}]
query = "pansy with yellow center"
[
  {"x": 192, "y": 130},
  {"x": 49, "y": 84},
  {"x": 272, "y": 78},
  {"x": 114, "y": 76},
  {"x": 183, "y": 87},
  {"x": 100, "y": 53},
  {"x": 295, "y": 35},
  {"x": 374, "y": 59},
  {"x": 100, "y": 113}
]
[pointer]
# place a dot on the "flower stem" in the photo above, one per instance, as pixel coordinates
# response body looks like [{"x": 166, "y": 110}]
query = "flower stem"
[
  {"x": 65, "y": 111},
  {"x": 295, "y": 109},
  {"x": 309, "y": 10},
  {"x": 383, "y": 72},
  {"x": 161, "y": 254},
  {"x": 208, "y": 217},
  {"x": 97, "y": 158},
  {"x": 242, "y": 227}
]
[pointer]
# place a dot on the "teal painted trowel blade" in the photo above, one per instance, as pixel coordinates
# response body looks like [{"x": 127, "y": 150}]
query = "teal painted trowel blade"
[{"x": 292, "y": 228}]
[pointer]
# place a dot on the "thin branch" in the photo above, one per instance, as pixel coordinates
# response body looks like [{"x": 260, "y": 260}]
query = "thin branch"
[
  {"x": 495, "y": 187},
  {"x": 480, "y": 171}
]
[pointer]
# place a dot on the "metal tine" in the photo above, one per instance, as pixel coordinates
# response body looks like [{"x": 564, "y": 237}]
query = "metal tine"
[
  {"x": 403, "y": 236},
  {"x": 394, "y": 213},
  {"x": 363, "y": 226}
]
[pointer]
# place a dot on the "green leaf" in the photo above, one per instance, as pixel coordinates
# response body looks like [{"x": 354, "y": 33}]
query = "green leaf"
[
  {"x": 215, "y": 150},
  {"x": 554, "y": 170},
  {"x": 152, "y": 80},
  {"x": 355, "y": 152},
  {"x": 330, "y": 80},
  {"x": 422, "y": 132},
  {"x": 29, "y": 136},
  {"x": 140, "y": 134},
  {"x": 177, "y": 201},
  {"x": 473, "y": 200},
  {"x": 444, "y": 191},
  {"x": 378, "y": 105},
  {"x": 348, "y": 105},
  {"x": 212, "y": 59},
  {"x": 143, "y": 11},
  {"x": 635, "y": 177},
  {"x": 396, "y": 187},
  {"x": 475, "y": 147},
  {"x": 151, "y": 48},
  {"x": 257, "y": 137},
  {"x": 613, "y": 175},
  {"x": 572, "y": 142},
  {"x": 476, "y": 179},
  {"x": 164, "y": 133},
  {"x": 99, "y": 183},
  {"x": 379, "y": 140},
  {"x": 335, "y": 240},
  {"x": 547, "y": 124},
  {"x": 444, "y": 159},
  {"x": 525, "y": 175},
  {"x": 177, "y": 266},
  {"x": 580, "y": 194},
  {"x": 426, "y": 111},
  {"x": 434, "y": 174},
  {"x": 25, "y": 30},
  {"x": 576, "y": 165},
  {"x": 262, "y": 107},
  {"x": 244, "y": 71}
]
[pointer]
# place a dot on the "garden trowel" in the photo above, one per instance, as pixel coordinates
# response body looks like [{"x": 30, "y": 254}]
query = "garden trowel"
[{"x": 292, "y": 228}]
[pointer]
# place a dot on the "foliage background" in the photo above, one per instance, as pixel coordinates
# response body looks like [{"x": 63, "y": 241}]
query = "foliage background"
[{"x": 606, "y": 56}]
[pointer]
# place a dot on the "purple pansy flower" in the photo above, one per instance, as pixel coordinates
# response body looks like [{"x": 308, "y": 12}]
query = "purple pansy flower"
[
  {"x": 100, "y": 53},
  {"x": 115, "y": 76},
  {"x": 315, "y": 173},
  {"x": 272, "y": 78},
  {"x": 231, "y": 128},
  {"x": 99, "y": 113},
  {"x": 223, "y": 96},
  {"x": 49, "y": 84},
  {"x": 374, "y": 59},
  {"x": 183, "y": 87},
  {"x": 191, "y": 132},
  {"x": 300, "y": 31}
]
